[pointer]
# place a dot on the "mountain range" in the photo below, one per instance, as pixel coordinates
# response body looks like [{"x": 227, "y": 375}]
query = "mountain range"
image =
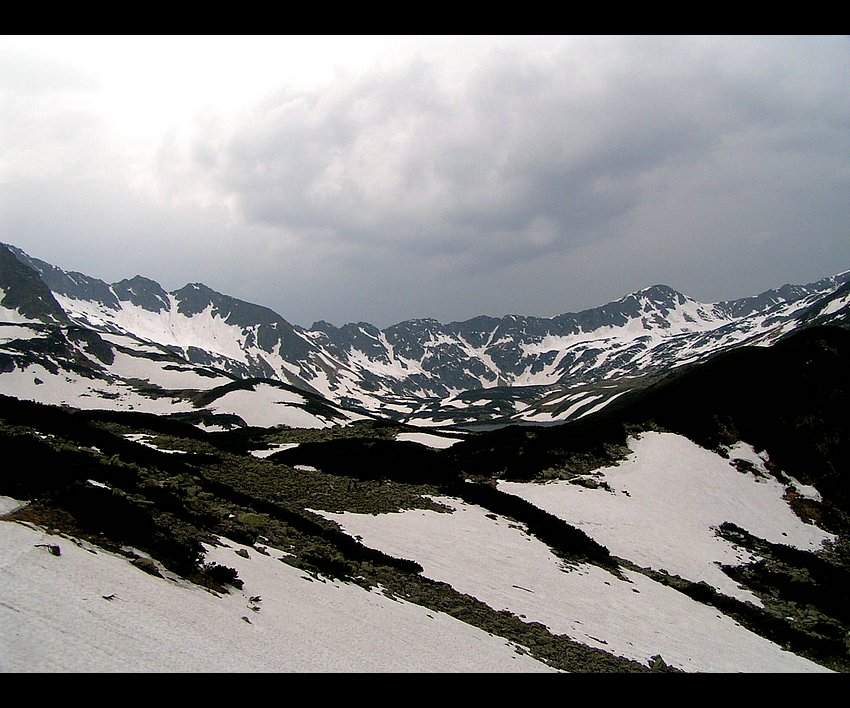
[
  {"x": 483, "y": 371},
  {"x": 191, "y": 483}
]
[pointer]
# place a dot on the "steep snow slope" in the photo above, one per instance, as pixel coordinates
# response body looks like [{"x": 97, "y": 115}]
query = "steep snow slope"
[
  {"x": 171, "y": 325},
  {"x": 497, "y": 562},
  {"x": 661, "y": 510},
  {"x": 89, "y": 610}
]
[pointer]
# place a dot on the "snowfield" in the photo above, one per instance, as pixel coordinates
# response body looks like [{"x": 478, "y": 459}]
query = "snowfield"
[
  {"x": 499, "y": 563},
  {"x": 666, "y": 501},
  {"x": 428, "y": 439},
  {"x": 12, "y": 332},
  {"x": 167, "y": 376},
  {"x": 91, "y": 611},
  {"x": 35, "y": 383},
  {"x": 269, "y": 406}
]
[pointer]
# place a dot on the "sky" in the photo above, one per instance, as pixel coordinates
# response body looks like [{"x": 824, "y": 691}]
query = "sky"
[{"x": 385, "y": 178}]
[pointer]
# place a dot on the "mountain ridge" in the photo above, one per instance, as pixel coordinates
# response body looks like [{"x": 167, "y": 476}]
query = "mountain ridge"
[
  {"x": 423, "y": 371},
  {"x": 80, "y": 285}
]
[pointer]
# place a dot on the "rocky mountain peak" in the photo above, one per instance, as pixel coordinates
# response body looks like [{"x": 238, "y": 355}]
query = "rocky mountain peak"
[
  {"x": 142, "y": 292},
  {"x": 661, "y": 294},
  {"x": 25, "y": 291},
  {"x": 421, "y": 361}
]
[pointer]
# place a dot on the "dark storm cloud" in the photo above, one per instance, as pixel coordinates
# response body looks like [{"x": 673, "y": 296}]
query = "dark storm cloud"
[
  {"x": 518, "y": 158},
  {"x": 502, "y": 166}
]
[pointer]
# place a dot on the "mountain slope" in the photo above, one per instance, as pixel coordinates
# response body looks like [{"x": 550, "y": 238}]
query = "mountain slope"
[
  {"x": 295, "y": 623},
  {"x": 722, "y": 482},
  {"x": 485, "y": 370},
  {"x": 787, "y": 399},
  {"x": 696, "y": 517},
  {"x": 726, "y": 576}
]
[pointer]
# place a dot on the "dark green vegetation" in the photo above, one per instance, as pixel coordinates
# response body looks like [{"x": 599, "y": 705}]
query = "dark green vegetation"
[
  {"x": 788, "y": 400},
  {"x": 166, "y": 505}
]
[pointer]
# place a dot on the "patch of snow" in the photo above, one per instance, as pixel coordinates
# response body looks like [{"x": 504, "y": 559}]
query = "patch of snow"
[
  {"x": 91, "y": 611},
  {"x": 690, "y": 491},
  {"x": 600, "y": 406},
  {"x": 171, "y": 378},
  {"x": 7, "y": 506},
  {"x": 11, "y": 332},
  {"x": 69, "y": 389},
  {"x": 268, "y": 406},
  {"x": 426, "y": 422},
  {"x": 498, "y": 562},
  {"x": 144, "y": 439},
  {"x": 435, "y": 441},
  {"x": 539, "y": 417},
  {"x": 211, "y": 428},
  {"x": 836, "y": 305},
  {"x": 579, "y": 404},
  {"x": 807, "y": 491},
  {"x": 130, "y": 342},
  {"x": 273, "y": 449}
]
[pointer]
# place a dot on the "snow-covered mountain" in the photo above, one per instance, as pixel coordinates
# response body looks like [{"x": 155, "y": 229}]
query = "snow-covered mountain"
[
  {"x": 195, "y": 484},
  {"x": 484, "y": 370},
  {"x": 700, "y": 524}
]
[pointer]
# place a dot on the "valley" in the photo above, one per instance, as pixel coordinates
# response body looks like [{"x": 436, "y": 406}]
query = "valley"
[{"x": 653, "y": 485}]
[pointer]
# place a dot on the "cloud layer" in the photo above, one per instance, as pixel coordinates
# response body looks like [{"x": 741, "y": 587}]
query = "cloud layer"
[{"x": 528, "y": 176}]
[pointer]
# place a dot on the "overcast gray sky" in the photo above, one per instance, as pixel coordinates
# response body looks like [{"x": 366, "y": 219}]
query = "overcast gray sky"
[{"x": 388, "y": 178}]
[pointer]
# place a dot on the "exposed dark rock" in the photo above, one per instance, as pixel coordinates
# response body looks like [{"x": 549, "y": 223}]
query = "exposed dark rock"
[
  {"x": 26, "y": 292},
  {"x": 657, "y": 663},
  {"x": 147, "y": 565},
  {"x": 142, "y": 292},
  {"x": 52, "y": 548}
]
